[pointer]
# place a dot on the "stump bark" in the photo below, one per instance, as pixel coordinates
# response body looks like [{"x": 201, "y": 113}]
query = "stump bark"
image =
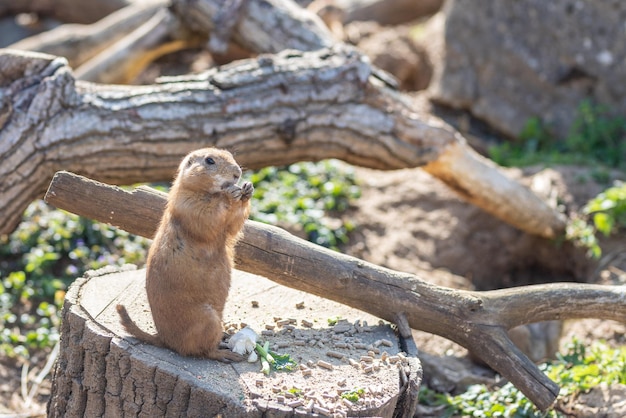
[{"x": 102, "y": 372}]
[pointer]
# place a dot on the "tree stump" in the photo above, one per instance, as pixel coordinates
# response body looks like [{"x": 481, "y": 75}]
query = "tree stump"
[{"x": 103, "y": 372}]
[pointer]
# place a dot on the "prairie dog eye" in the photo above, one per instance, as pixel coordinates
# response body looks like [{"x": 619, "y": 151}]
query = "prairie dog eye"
[{"x": 209, "y": 160}]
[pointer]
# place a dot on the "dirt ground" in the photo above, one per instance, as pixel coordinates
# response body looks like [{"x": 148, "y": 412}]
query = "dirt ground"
[{"x": 409, "y": 221}]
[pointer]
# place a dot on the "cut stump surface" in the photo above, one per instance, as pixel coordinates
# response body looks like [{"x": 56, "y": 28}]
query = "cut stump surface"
[{"x": 103, "y": 371}]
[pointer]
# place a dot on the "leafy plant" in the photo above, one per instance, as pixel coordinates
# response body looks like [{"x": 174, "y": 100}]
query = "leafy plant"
[
  {"x": 295, "y": 391},
  {"x": 302, "y": 194},
  {"x": 582, "y": 368},
  {"x": 608, "y": 209},
  {"x": 595, "y": 137},
  {"x": 271, "y": 360},
  {"x": 608, "y": 214},
  {"x": 37, "y": 263},
  {"x": 598, "y": 134},
  {"x": 332, "y": 321},
  {"x": 353, "y": 395},
  {"x": 578, "y": 370},
  {"x": 583, "y": 235}
]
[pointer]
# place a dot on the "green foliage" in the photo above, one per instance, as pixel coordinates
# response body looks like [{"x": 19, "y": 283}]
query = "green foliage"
[
  {"x": 608, "y": 214},
  {"x": 577, "y": 371},
  {"x": 583, "y": 368},
  {"x": 302, "y": 194},
  {"x": 533, "y": 145},
  {"x": 39, "y": 260},
  {"x": 608, "y": 209},
  {"x": 332, "y": 321},
  {"x": 283, "y": 362},
  {"x": 583, "y": 235},
  {"x": 295, "y": 391},
  {"x": 599, "y": 135},
  {"x": 595, "y": 137},
  {"x": 270, "y": 360},
  {"x": 353, "y": 395}
]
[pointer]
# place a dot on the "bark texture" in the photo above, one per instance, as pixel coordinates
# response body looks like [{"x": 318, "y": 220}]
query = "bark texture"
[
  {"x": 79, "y": 43},
  {"x": 476, "y": 320},
  {"x": 265, "y": 26},
  {"x": 99, "y": 374},
  {"x": 102, "y": 373},
  {"x": 390, "y": 12},
  {"x": 64, "y": 10},
  {"x": 122, "y": 62},
  {"x": 271, "y": 111}
]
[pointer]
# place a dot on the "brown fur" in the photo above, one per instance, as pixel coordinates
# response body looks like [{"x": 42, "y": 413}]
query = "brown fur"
[{"x": 190, "y": 261}]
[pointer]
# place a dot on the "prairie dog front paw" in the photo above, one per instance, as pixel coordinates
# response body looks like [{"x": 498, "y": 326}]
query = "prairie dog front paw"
[
  {"x": 246, "y": 190},
  {"x": 234, "y": 191}
]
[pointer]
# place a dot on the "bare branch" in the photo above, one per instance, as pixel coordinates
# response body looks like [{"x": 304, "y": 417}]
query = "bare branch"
[
  {"x": 122, "y": 62},
  {"x": 64, "y": 10},
  {"x": 476, "y": 320},
  {"x": 78, "y": 43}
]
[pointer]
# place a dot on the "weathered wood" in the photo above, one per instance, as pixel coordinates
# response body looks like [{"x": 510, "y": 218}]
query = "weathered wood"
[
  {"x": 265, "y": 26},
  {"x": 64, "y": 10},
  {"x": 476, "y": 320},
  {"x": 123, "y": 61},
  {"x": 385, "y": 12},
  {"x": 78, "y": 43},
  {"x": 103, "y": 372},
  {"x": 272, "y": 111}
]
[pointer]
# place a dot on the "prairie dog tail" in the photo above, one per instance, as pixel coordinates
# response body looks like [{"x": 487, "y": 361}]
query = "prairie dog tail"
[{"x": 132, "y": 328}]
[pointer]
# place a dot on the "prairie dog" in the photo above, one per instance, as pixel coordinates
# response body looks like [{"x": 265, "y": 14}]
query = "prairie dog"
[{"x": 190, "y": 261}]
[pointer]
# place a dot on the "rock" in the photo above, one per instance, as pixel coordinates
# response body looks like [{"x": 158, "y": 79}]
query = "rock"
[
  {"x": 508, "y": 61},
  {"x": 602, "y": 401},
  {"x": 395, "y": 50}
]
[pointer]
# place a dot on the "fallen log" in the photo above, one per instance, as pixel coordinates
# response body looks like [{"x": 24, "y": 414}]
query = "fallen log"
[
  {"x": 122, "y": 62},
  {"x": 64, "y": 10},
  {"x": 79, "y": 43},
  {"x": 275, "y": 110},
  {"x": 263, "y": 26},
  {"x": 476, "y": 320}
]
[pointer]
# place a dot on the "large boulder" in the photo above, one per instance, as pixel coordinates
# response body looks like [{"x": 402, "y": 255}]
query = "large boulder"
[{"x": 507, "y": 61}]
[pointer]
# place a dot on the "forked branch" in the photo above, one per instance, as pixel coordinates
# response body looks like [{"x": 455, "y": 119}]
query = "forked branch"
[{"x": 476, "y": 320}]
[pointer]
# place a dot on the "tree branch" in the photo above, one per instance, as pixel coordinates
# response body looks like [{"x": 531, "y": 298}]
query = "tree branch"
[
  {"x": 265, "y": 26},
  {"x": 275, "y": 110},
  {"x": 79, "y": 43},
  {"x": 475, "y": 320},
  {"x": 64, "y": 10},
  {"x": 123, "y": 61}
]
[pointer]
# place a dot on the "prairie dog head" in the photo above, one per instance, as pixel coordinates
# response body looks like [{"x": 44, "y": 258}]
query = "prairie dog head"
[{"x": 208, "y": 170}]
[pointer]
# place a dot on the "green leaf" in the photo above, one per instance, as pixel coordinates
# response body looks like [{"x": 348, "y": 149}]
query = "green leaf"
[
  {"x": 283, "y": 362},
  {"x": 353, "y": 395},
  {"x": 603, "y": 223}
]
